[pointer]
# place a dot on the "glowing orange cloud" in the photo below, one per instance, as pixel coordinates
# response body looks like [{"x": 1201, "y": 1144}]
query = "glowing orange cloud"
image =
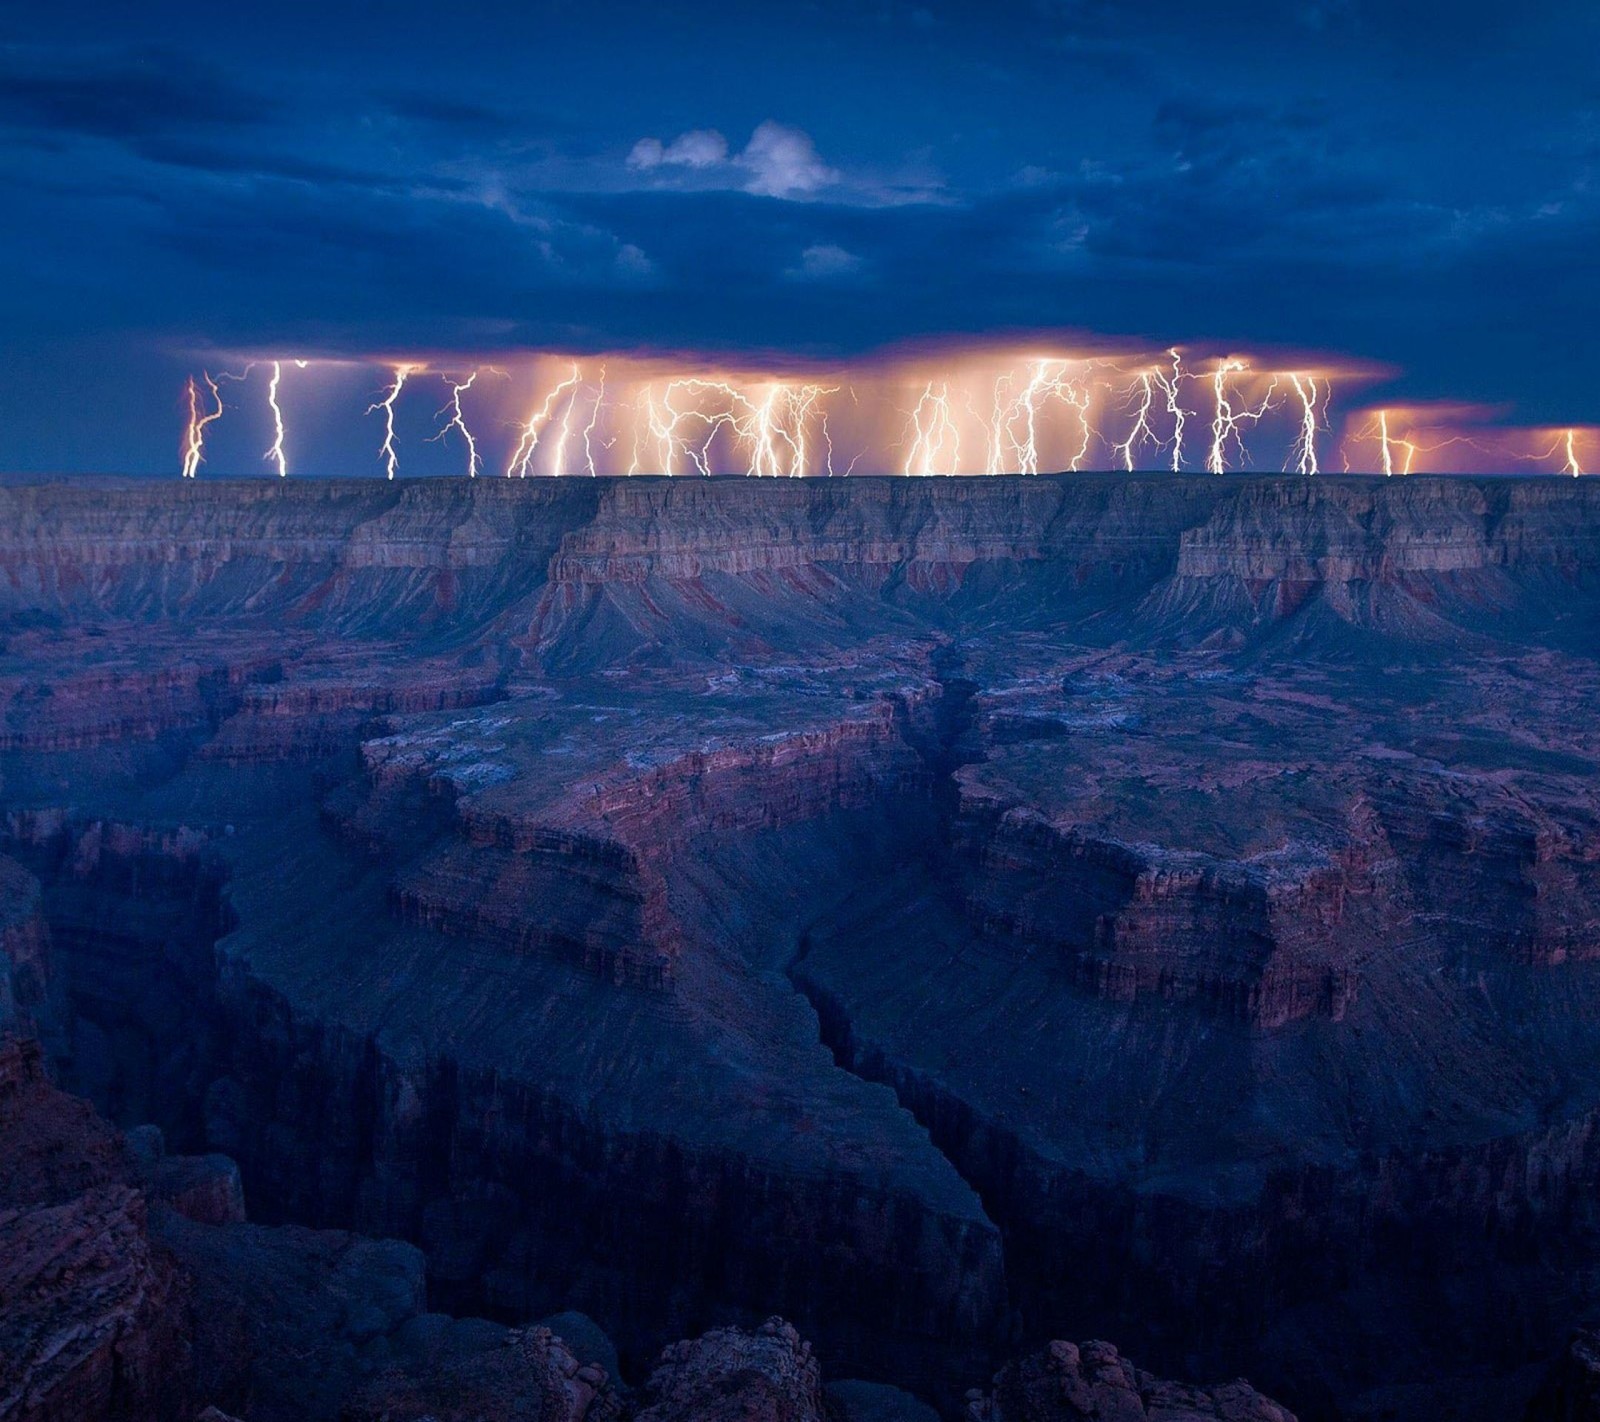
[{"x": 992, "y": 409}]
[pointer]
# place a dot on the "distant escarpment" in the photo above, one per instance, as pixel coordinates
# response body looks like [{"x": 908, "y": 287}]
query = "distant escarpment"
[{"x": 950, "y": 914}]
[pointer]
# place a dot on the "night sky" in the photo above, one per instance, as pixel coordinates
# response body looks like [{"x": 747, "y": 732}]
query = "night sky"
[{"x": 1409, "y": 183}]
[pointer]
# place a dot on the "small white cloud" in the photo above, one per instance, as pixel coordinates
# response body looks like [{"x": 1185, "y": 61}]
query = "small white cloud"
[
  {"x": 1031, "y": 175},
  {"x": 632, "y": 262},
  {"x": 699, "y": 148},
  {"x": 647, "y": 153},
  {"x": 783, "y": 161},
  {"x": 826, "y": 262},
  {"x": 778, "y": 161}
]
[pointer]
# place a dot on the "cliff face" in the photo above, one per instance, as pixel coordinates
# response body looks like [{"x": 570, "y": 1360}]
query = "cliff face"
[
  {"x": 1196, "y": 884},
  {"x": 91, "y": 1313},
  {"x": 133, "y": 1289}
]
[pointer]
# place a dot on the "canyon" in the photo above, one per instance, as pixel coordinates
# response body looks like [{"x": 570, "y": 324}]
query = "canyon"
[{"x": 953, "y": 915}]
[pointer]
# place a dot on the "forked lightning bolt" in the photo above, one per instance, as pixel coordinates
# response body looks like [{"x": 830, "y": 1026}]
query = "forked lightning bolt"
[
  {"x": 195, "y": 435},
  {"x": 1143, "y": 397},
  {"x": 1226, "y": 422},
  {"x": 1304, "y": 454},
  {"x": 528, "y": 443},
  {"x": 1169, "y": 387},
  {"x": 934, "y": 440},
  {"x": 457, "y": 421},
  {"x": 391, "y": 460}
]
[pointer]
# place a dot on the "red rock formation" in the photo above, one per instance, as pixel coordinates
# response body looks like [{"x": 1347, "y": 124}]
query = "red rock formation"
[
  {"x": 91, "y": 1313},
  {"x": 530, "y": 1376},
  {"x": 730, "y": 1375},
  {"x": 1091, "y": 1382}
]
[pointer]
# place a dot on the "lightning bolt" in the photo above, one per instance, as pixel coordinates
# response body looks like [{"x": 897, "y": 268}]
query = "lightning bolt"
[
  {"x": 594, "y": 419},
  {"x": 1565, "y": 446},
  {"x": 1144, "y": 393},
  {"x": 275, "y": 454},
  {"x": 457, "y": 421},
  {"x": 558, "y": 453},
  {"x": 1015, "y": 428},
  {"x": 770, "y": 430},
  {"x": 1388, "y": 443},
  {"x": 1226, "y": 421},
  {"x": 659, "y": 431},
  {"x": 528, "y": 443},
  {"x": 1398, "y": 454},
  {"x": 194, "y": 437},
  {"x": 1169, "y": 387},
  {"x": 931, "y": 431},
  {"x": 1304, "y": 454},
  {"x": 391, "y": 460}
]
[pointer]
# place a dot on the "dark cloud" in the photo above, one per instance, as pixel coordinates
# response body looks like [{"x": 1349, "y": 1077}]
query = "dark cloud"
[
  {"x": 122, "y": 95},
  {"x": 448, "y": 111}
]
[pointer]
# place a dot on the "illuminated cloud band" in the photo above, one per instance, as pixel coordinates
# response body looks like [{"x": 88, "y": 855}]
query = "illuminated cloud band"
[{"x": 978, "y": 411}]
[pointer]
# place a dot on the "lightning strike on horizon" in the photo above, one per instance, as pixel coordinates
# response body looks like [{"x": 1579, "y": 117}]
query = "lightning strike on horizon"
[
  {"x": 390, "y": 458},
  {"x": 995, "y": 413},
  {"x": 528, "y": 443},
  {"x": 1304, "y": 454},
  {"x": 930, "y": 432},
  {"x": 276, "y": 454},
  {"x": 558, "y": 451},
  {"x": 1169, "y": 387},
  {"x": 1141, "y": 433},
  {"x": 1048, "y": 381},
  {"x": 767, "y": 429},
  {"x": 1565, "y": 448},
  {"x": 458, "y": 422},
  {"x": 1387, "y": 443},
  {"x": 1225, "y": 420},
  {"x": 594, "y": 419},
  {"x": 194, "y": 435}
]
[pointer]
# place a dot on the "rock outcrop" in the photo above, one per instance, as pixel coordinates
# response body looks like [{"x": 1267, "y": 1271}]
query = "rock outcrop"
[
  {"x": 92, "y": 1313},
  {"x": 1092, "y": 1382},
  {"x": 1571, "y": 1392},
  {"x": 766, "y": 1374}
]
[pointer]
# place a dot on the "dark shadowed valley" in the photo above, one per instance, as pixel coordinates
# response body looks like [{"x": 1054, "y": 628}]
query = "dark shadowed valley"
[{"x": 801, "y": 949}]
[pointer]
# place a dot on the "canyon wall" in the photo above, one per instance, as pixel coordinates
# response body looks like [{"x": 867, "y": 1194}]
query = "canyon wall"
[{"x": 945, "y": 912}]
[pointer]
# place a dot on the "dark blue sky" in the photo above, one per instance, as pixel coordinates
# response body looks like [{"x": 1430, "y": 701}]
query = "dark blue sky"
[{"x": 1408, "y": 182}]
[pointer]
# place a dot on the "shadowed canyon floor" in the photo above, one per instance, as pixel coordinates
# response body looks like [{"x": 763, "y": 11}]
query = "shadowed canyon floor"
[{"x": 953, "y": 914}]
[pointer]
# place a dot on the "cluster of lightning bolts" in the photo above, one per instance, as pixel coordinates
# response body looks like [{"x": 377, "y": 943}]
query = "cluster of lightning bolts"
[
  {"x": 776, "y": 427},
  {"x": 205, "y": 409},
  {"x": 1152, "y": 404},
  {"x": 1398, "y": 451}
]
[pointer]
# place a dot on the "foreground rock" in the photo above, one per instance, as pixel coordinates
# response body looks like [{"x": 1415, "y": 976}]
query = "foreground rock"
[
  {"x": 111, "y": 1311},
  {"x": 730, "y": 1375},
  {"x": 1571, "y": 1393},
  {"x": 1092, "y": 1382},
  {"x": 131, "y": 1288},
  {"x": 92, "y": 1314}
]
